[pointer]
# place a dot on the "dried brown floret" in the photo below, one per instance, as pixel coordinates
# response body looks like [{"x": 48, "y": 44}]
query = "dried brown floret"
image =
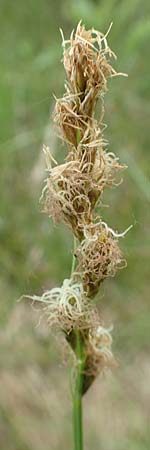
[
  {"x": 66, "y": 196},
  {"x": 98, "y": 258},
  {"x": 101, "y": 165},
  {"x": 72, "y": 189},
  {"x": 86, "y": 64},
  {"x": 86, "y": 61},
  {"x": 69, "y": 119},
  {"x": 99, "y": 356},
  {"x": 96, "y": 343},
  {"x": 98, "y": 349}
]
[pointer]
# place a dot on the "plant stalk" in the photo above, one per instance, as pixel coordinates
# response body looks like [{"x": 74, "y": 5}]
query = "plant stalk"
[
  {"x": 77, "y": 389},
  {"x": 77, "y": 395}
]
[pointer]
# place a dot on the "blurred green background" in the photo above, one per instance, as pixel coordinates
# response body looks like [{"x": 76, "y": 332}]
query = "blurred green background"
[{"x": 35, "y": 404}]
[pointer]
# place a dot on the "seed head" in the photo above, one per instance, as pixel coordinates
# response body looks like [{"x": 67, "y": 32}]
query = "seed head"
[{"x": 71, "y": 193}]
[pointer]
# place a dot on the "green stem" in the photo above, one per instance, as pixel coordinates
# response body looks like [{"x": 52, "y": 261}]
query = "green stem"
[
  {"x": 77, "y": 390},
  {"x": 77, "y": 397}
]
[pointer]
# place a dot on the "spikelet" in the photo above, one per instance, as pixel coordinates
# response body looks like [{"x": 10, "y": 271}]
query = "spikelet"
[
  {"x": 86, "y": 65},
  {"x": 66, "y": 307},
  {"x": 99, "y": 257}
]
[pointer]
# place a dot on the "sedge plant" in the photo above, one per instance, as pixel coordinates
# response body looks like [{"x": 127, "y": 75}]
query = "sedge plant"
[{"x": 72, "y": 192}]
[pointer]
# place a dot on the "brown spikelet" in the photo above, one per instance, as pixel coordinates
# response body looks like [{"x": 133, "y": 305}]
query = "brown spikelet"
[
  {"x": 99, "y": 257},
  {"x": 86, "y": 64}
]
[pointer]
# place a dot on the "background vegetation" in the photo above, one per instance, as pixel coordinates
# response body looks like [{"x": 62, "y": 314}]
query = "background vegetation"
[{"x": 35, "y": 407}]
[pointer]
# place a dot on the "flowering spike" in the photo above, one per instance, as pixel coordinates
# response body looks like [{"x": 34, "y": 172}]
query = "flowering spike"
[{"x": 72, "y": 191}]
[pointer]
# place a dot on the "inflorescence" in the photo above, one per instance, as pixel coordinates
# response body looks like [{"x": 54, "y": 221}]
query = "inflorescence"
[{"x": 74, "y": 189}]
